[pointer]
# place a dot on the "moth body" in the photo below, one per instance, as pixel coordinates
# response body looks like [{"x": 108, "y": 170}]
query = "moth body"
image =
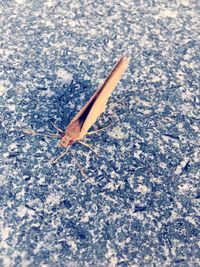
[
  {"x": 66, "y": 141},
  {"x": 88, "y": 115},
  {"x": 71, "y": 134}
]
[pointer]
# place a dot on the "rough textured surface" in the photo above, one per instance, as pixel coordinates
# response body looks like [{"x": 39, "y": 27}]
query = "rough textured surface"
[{"x": 139, "y": 205}]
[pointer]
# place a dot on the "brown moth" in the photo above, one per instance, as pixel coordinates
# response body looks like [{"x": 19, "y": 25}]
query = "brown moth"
[{"x": 88, "y": 115}]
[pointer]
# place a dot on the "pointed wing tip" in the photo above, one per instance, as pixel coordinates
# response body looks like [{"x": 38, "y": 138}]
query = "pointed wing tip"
[{"x": 125, "y": 60}]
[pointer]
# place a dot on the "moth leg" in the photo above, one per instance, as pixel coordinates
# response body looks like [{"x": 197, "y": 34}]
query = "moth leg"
[
  {"x": 58, "y": 129},
  {"x": 89, "y": 146},
  {"x": 31, "y": 132},
  {"x": 79, "y": 166},
  {"x": 99, "y": 130},
  {"x": 61, "y": 156}
]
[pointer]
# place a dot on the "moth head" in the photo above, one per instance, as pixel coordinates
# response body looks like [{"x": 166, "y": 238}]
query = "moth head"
[{"x": 66, "y": 141}]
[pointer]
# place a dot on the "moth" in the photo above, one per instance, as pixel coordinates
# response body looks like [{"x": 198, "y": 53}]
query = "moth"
[{"x": 88, "y": 115}]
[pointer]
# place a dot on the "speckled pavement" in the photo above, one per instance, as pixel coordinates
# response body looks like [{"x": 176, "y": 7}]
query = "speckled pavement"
[{"x": 138, "y": 204}]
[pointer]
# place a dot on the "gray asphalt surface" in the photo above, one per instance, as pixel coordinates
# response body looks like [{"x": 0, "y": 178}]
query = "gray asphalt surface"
[{"x": 139, "y": 204}]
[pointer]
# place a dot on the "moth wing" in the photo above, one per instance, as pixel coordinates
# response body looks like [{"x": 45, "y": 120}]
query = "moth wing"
[
  {"x": 97, "y": 104},
  {"x": 87, "y": 105}
]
